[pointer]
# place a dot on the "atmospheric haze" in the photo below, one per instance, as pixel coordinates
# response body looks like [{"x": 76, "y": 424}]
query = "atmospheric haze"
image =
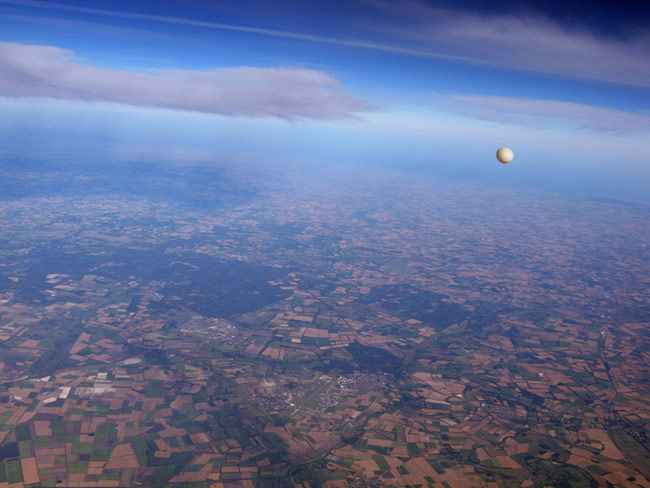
[{"x": 267, "y": 244}]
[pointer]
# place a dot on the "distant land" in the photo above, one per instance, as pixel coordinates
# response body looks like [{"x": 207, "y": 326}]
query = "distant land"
[{"x": 166, "y": 325}]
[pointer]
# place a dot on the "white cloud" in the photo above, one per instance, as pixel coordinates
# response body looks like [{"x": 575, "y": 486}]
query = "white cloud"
[{"x": 52, "y": 72}]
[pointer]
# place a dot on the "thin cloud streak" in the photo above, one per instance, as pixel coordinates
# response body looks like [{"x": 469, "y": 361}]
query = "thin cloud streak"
[
  {"x": 85, "y": 26},
  {"x": 541, "y": 113},
  {"x": 52, "y": 72},
  {"x": 252, "y": 30}
]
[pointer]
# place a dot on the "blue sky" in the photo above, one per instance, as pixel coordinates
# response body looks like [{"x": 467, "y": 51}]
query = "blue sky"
[{"x": 405, "y": 83}]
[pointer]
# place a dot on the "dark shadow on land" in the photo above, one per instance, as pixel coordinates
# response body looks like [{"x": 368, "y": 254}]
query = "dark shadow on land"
[{"x": 209, "y": 286}]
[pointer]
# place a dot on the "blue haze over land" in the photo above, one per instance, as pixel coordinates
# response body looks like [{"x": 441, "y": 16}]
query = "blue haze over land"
[{"x": 407, "y": 85}]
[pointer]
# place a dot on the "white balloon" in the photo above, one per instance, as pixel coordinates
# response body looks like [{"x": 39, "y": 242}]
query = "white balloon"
[{"x": 505, "y": 155}]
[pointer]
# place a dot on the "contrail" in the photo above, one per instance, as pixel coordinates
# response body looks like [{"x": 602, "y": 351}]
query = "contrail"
[{"x": 242, "y": 28}]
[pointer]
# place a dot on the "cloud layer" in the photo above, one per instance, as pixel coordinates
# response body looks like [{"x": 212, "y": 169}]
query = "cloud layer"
[
  {"x": 529, "y": 43},
  {"x": 52, "y": 72}
]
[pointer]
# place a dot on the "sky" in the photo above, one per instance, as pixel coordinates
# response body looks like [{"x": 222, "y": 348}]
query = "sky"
[{"x": 407, "y": 84}]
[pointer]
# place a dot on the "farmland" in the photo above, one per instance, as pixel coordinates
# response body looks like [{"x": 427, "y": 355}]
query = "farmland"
[{"x": 355, "y": 334}]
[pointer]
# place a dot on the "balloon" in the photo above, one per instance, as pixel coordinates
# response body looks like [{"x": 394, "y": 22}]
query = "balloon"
[{"x": 505, "y": 155}]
